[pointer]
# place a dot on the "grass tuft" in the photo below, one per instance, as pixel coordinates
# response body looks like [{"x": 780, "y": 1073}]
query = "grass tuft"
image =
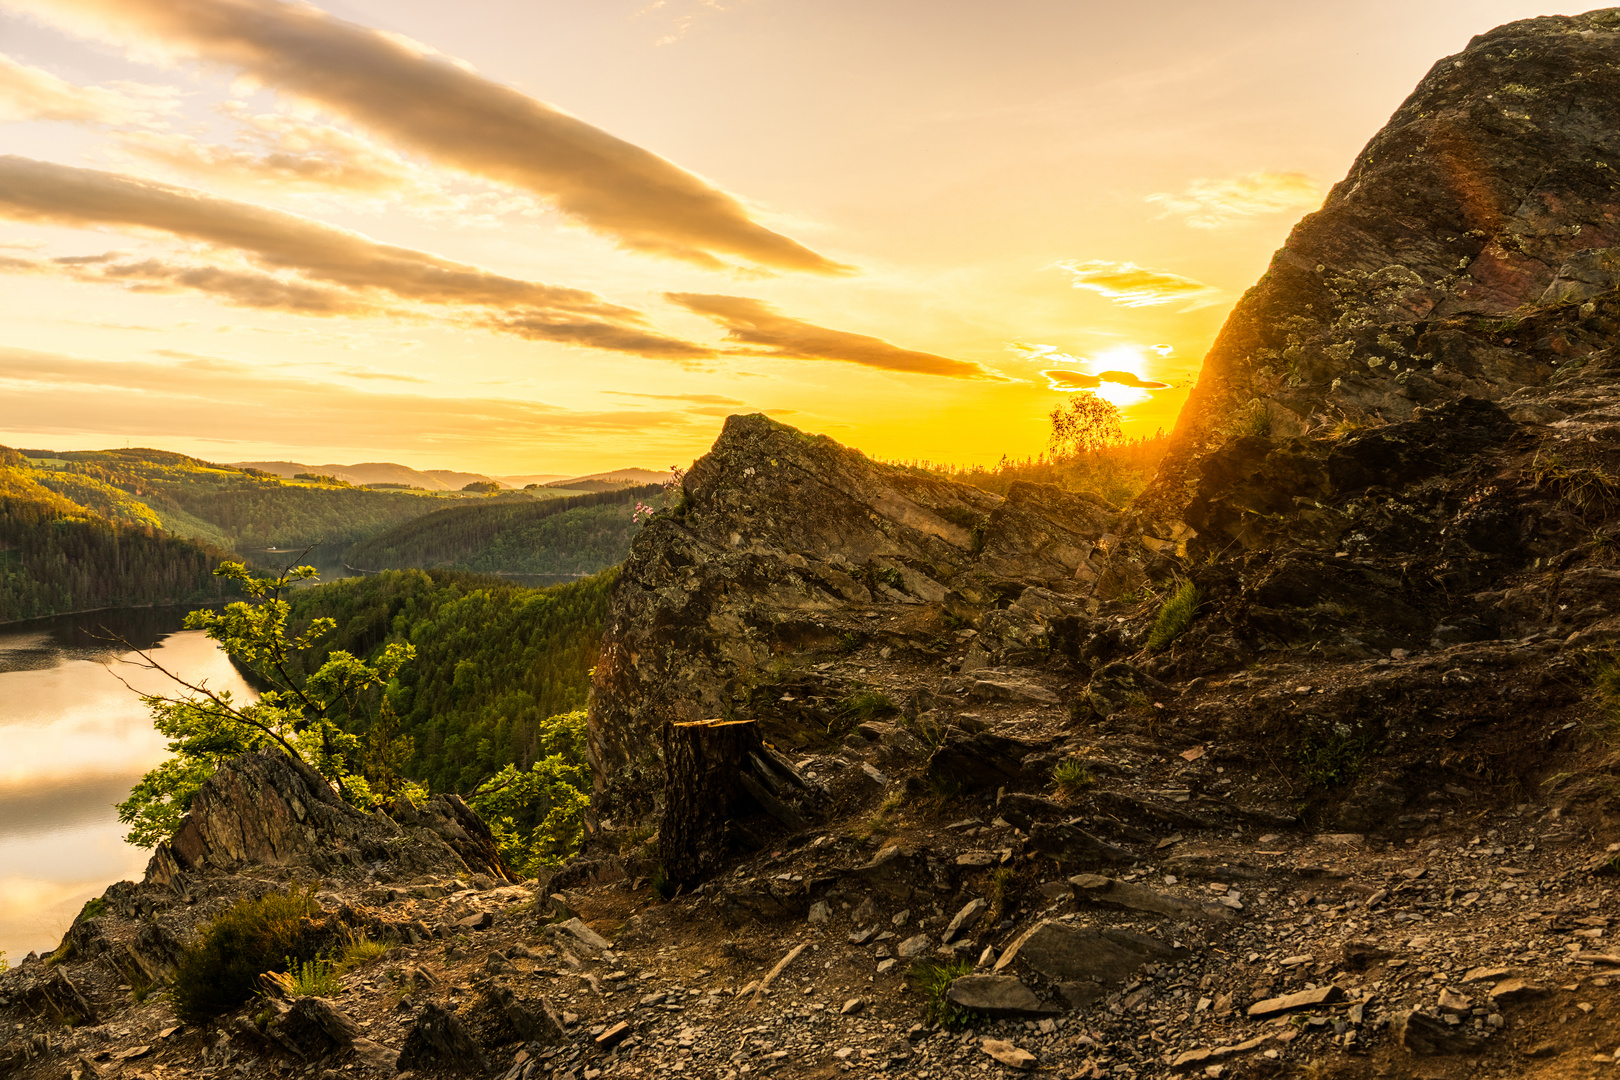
[
  {"x": 1070, "y": 777},
  {"x": 1580, "y": 488},
  {"x": 362, "y": 950},
  {"x": 864, "y": 705},
  {"x": 933, "y": 982},
  {"x": 1175, "y": 617}
]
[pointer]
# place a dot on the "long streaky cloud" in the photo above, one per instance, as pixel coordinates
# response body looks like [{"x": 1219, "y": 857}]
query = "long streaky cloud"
[
  {"x": 767, "y": 332},
  {"x": 343, "y": 272},
  {"x": 431, "y": 105}
]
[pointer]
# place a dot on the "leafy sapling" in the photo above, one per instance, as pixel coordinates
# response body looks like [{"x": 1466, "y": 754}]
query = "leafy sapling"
[{"x": 313, "y": 718}]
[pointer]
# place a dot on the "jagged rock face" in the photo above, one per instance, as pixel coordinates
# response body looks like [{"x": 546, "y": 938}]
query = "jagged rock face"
[
  {"x": 787, "y": 542},
  {"x": 1491, "y": 194},
  {"x": 267, "y": 809}
]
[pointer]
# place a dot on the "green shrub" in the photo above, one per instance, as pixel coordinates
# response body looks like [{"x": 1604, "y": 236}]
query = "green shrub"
[
  {"x": 1071, "y": 776},
  {"x": 221, "y": 969},
  {"x": 1175, "y": 616},
  {"x": 933, "y": 982}
]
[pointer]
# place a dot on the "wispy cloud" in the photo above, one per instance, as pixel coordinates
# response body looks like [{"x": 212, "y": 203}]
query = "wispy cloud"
[
  {"x": 31, "y": 93},
  {"x": 304, "y": 266},
  {"x": 220, "y": 399},
  {"x": 1129, "y": 285},
  {"x": 767, "y": 332},
  {"x": 435, "y": 106},
  {"x": 695, "y": 399},
  {"x": 280, "y": 154},
  {"x": 682, "y": 15},
  {"x": 367, "y": 373},
  {"x": 1216, "y": 204}
]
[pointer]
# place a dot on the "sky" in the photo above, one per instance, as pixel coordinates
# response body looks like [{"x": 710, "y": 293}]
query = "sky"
[{"x": 523, "y": 236}]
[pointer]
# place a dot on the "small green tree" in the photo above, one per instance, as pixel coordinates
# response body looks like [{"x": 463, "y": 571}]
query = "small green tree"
[
  {"x": 537, "y": 814},
  {"x": 312, "y": 718}
]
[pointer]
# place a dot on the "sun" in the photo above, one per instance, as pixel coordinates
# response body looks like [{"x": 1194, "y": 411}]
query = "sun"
[{"x": 1127, "y": 358}]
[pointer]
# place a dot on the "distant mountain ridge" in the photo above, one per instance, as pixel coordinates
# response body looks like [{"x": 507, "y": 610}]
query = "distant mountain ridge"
[
  {"x": 374, "y": 472},
  {"x": 388, "y": 472},
  {"x": 621, "y": 476}
]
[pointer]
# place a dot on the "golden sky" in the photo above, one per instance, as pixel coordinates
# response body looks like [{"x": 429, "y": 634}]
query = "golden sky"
[{"x": 518, "y": 236}]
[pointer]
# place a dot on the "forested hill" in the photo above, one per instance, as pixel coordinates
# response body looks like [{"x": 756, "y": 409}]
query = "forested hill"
[
  {"x": 233, "y": 508},
  {"x": 580, "y": 534},
  {"x": 493, "y": 661},
  {"x": 56, "y": 555}
]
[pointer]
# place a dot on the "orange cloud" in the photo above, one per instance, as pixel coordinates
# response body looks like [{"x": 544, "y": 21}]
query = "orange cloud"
[
  {"x": 767, "y": 332},
  {"x": 278, "y": 153},
  {"x": 305, "y": 266},
  {"x": 31, "y": 93},
  {"x": 1129, "y": 285},
  {"x": 432, "y": 105},
  {"x": 1216, "y": 204}
]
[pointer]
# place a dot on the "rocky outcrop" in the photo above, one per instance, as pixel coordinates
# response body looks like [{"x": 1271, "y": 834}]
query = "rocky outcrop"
[
  {"x": 267, "y": 809},
  {"x": 1458, "y": 257},
  {"x": 786, "y": 543}
]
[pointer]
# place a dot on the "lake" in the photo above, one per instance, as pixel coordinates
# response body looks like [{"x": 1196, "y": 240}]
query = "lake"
[{"x": 76, "y": 740}]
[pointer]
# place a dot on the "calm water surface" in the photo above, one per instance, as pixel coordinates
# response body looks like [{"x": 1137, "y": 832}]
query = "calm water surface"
[{"x": 73, "y": 740}]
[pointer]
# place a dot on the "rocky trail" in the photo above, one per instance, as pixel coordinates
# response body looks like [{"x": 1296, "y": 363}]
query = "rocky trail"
[{"x": 895, "y": 776}]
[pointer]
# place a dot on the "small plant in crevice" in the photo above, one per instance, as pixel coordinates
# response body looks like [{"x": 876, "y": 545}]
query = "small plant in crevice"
[
  {"x": 1578, "y": 488},
  {"x": 864, "y": 705},
  {"x": 1602, "y": 667},
  {"x": 876, "y": 825},
  {"x": 1253, "y": 419},
  {"x": 659, "y": 883},
  {"x": 635, "y": 838},
  {"x": 932, "y": 981},
  {"x": 1000, "y": 880},
  {"x": 313, "y": 978},
  {"x": 1070, "y": 777},
  {"x": 1338, "y": 756},
  {"x": 1175, "y": 616},
  {"x": 977, "y": 536}
]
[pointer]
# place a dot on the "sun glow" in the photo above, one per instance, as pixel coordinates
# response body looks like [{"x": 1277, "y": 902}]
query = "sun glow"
[
  {"x": 1122, "y": 396},
  {"x": 1126, "y": 358}
]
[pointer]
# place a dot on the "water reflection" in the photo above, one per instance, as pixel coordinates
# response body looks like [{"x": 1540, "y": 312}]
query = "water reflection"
[{"x": 77, "y": 738}]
